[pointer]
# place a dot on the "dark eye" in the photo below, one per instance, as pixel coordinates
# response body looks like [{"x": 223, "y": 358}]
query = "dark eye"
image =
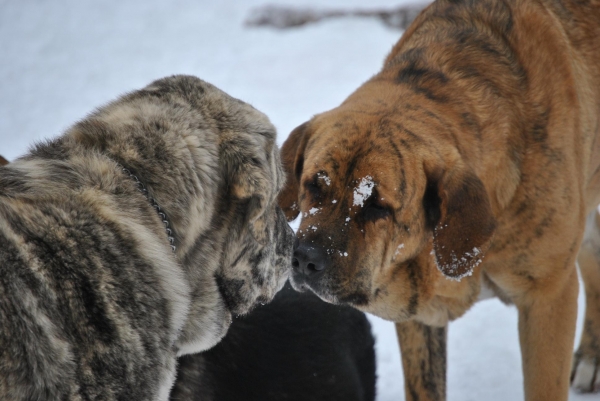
[
  {"x": 374, "y": 211},
  {"x": 314, "y": 190}
]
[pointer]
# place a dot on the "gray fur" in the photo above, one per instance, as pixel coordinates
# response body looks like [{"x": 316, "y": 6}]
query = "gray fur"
[{"x": 93, "y": 303}]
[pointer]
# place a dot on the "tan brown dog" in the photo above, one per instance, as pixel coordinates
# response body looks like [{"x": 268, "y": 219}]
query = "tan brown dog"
[
  {"x": 3, "y": 161},
  {"x": 471, "y": 160}
]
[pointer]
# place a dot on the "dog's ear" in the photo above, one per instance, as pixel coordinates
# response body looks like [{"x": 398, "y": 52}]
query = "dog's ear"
[
  {"x": 3, "y": 161},
  {"x": 292, "y": 156},
  {"x": 458, "y": 210},
  {"x": 252, "y": 171}
]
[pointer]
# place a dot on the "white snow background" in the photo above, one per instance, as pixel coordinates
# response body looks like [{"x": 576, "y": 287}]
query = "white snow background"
[{"x": 60, "y": 59}]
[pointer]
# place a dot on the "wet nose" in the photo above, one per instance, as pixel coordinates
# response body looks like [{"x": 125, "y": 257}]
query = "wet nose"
[{"x": 308, "y": 259}]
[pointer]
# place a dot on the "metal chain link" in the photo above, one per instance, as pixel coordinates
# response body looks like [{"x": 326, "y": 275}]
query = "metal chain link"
[{"x": 154, "y": 204}]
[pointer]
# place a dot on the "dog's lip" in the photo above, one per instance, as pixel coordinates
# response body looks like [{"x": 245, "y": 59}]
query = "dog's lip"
[
  {"x": 355, "y": 299},
  {"x": 230, "y": 298},
  {"x": 238, "y": 307},
  {"x": 229, "y": 304}
]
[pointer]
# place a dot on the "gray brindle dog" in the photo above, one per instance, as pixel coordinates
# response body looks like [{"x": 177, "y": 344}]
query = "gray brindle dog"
[{"x": 132, "y": 239}]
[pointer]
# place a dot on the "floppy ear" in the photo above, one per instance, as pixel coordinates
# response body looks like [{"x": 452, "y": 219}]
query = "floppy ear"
[
  {"x": 3, "y": 161},
  {"x": 458, "y": 210},
  {"x": 252, "y": 171},
  {"x": 292, "y": 156}
]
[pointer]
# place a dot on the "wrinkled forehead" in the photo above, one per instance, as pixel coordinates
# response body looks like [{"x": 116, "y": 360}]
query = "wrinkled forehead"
[{"x": 348, "y": 156}]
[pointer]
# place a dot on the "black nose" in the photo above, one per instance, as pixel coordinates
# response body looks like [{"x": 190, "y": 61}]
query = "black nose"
[{"x": 308, "y": 259}]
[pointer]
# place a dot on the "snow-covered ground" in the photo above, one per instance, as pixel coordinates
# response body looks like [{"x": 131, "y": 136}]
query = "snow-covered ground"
[{"x": 60, "y": 59}]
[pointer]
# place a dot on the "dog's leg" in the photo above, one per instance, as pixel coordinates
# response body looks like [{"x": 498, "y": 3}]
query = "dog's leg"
[
  {"x": 546, "y": 333},
  {"x": 423, "y": 350},
  {"x": 586, "y": 364}
]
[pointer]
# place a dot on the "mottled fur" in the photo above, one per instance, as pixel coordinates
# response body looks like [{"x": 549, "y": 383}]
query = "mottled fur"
[
  {"x": 472, "y": 155},
  {"x": 423, "y": 351},
  {"x": 93, "y": 303}
]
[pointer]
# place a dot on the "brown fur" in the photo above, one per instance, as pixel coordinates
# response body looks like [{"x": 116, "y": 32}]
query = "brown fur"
[
  {"x": 473, "y": 156},
  {"x": 423, "y": 351},
  {"x": 3, "y": 161}
]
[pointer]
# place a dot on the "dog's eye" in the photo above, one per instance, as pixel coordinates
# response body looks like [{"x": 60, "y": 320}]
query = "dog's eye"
[
  {"x": 314, "y": 190},
  {"x": 374, "y": 211}
]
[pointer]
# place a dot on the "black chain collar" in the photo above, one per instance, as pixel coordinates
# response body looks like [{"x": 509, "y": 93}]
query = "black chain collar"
[{"x": 142, "y": 188}]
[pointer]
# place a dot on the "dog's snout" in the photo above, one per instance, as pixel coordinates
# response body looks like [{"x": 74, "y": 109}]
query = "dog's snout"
[{"x": 308, "y": 259}]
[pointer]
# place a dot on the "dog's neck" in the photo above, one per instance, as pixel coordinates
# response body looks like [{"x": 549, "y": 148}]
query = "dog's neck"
[{"x": 142, "y": 188}]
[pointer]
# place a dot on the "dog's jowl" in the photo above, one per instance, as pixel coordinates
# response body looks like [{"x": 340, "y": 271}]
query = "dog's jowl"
[
  {"x": 471, "y": 160},
  {"x": 132, "y": 239}
]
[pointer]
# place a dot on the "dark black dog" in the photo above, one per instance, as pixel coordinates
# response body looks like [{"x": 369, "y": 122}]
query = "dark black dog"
[{"x": 297, "y": 348}]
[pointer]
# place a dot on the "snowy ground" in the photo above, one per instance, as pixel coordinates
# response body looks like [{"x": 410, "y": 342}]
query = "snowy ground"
[{"x": 60, "y": 59}]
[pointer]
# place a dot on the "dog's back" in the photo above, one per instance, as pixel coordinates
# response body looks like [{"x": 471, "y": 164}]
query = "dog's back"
[
  {"x": 78, "y": 302},
  {"x": 297, "y": 348}
]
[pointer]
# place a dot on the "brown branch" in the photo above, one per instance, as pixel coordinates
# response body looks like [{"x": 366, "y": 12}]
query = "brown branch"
[{"x": 280, "y": 17}]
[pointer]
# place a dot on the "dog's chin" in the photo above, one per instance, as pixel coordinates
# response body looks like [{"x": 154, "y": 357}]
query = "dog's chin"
[
  {"x": 213, "y": 338},
  {"x": 299, "y": 284}
]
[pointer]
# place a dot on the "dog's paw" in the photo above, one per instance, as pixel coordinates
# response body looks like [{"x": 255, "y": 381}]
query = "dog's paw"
[{"x": 585, "y": 376}]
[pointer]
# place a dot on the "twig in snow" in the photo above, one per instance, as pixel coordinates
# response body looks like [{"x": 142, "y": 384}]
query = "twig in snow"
[{"x": 289, "y": 17}]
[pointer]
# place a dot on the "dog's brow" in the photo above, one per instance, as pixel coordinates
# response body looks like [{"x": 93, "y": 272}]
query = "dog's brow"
[{"x": 323, "y": 176}]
